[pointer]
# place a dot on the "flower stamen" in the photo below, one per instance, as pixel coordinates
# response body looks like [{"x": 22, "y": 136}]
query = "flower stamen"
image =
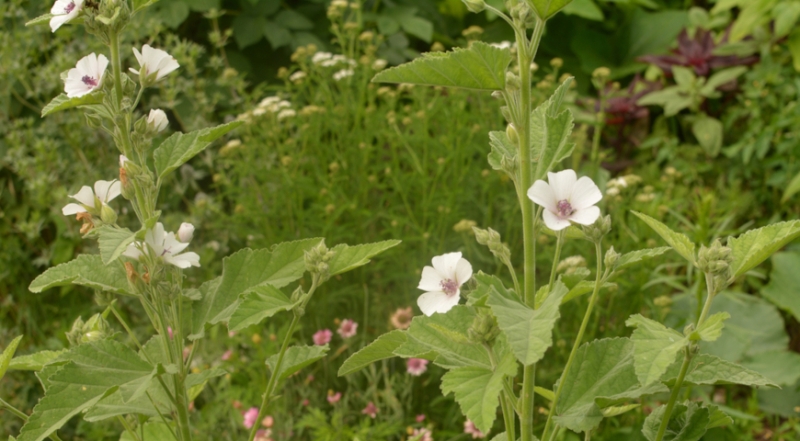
[
  {"x": 89, "y": 81},
  {"x": 564, "y": 208},
  {"x": 70, "y": 7},
  {"x": 449, "y": 287}
]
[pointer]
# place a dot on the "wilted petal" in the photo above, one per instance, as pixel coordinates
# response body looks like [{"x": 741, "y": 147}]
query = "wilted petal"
[
  {"x": 585, "y": 194},
  {"x": 463, "y": 271},
  {"x": 585, "y": 216},
  {"x": 70, "y": 209},
  {"x": 562, "y": 183},
  {"x": 436, "y": 301},
  {"x": 541, "y": 193},
  {"x": 446, "y": 264},
  {"x": 431, "y": 280},
  {"x": 554, "y": 222}
]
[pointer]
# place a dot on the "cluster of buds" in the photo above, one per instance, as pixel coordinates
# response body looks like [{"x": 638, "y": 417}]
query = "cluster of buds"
[
  {"x": 716, "y": 260},
  {"x": 491, "y": 239},
  {"x": 105, "y": 17},
  {"x": 338, "y": 7},
  {"x": 316, "y": 260},
  {"x": 484, "y": 327},
  {"x": 96, "y": 328},
  {"x": 599, "y": 229},
  {"x": 522, "y": 13}
]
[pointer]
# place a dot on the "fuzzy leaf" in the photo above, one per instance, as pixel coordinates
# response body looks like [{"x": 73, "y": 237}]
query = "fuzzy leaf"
[
  {"x": 481, "y": 67},
  {"x": 348, "y": 257},
  {"x": 784, "y": 281},
  {"x": 706, "y": 369},
  {"x": 688, "y": 422},
  {"x": 709, "y": 133},
  {"x": 62, "y": 102},
  {"x": 711, "y": 329},
  {"x": 716, "y": 417},
  {"x": 480, "y": 294},
  {"x": 502, "y": 148},
  {"x": 547, "y": 8},
  {"x": 113, "y": 242},
  {"x": 755, "y": 246},
  {"x": 679, "y": 242},
  {"x": 296, "y": 358},
  {"x": 181, "y": 147},
  {"x": 655, "y": 347},
  {"x": 257, "y": 304},
  {"x": 86, "y": 270},
  {"x": 629, "y": 259},
  {"x": 45, "y": 18},
  {"x": 153, "y": 430},
  {"x": 551, "y": 127},
  {"x": 380, "y": 349},
  {"x": 7, "y": 355},
  {"x": 34, "y": 362}
]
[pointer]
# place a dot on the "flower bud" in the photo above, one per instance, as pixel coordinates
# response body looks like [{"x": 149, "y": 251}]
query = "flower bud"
[
  {"x": 611, "y": 258},
  {"x": 108, "y": 215},
  {"x": 186, "y": 232},
  {"x": 600, "y": 228},
  {"x": 157, "y": 121},
  {"x": 512, "y": 134},
  {"x": 316, "y": 260},
  {"x": 484, "y": 327},
  {"x": 513, "y": 83},
  {"x": 475, "y": 5}
]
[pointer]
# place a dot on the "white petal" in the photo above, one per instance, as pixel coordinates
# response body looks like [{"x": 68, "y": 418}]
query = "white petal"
[
  {"x": 138, "y": 56},
  {"x": 184, "y": 260},
  {"x": 58, "y": 20},
  {"x": 436, "y": 301},
  {"x": 166, "y": 66},
  {"x": 585, "y": 216},
  {"x": 562, "y": 183},
  {"x": 541, "y": 193},
  {"x": 70, "y": 209},
  {"x": 585, "y": 194},
  {"x": 554, "y": 222},
  {"x": 431, "y": 280},
  {"x": 446, "y": 264},
  {"x": 132, "y": 251},
  {"x": 59, "y": 7},
  {"x": 75, "y": 88},
  {"x": 463, "y": 271},
  {"x": 102, "y": 65},
  {"x": 133, "y": 71},
  {"x": 85, "y": 196},
  {"x": 101, "y": 189},
  {"x": 172, "y": 244}
]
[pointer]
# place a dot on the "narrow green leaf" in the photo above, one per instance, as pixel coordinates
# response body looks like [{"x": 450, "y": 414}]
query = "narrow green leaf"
[
  {"x": 257, "y": 304},
  {"x": 755, "y": 246},
  {"x": 679, "y": 242},
  {"x": 613, "y": 411},
  {"x": 688, "y": 422},
  {"x": 481, "y": 67},
  {"x": 62, "y": 102},
  {"x": 546, "y": 393},
  {"x": 45, "y": 18},
  {"x": 113, "y": 242},
  {"x": 86, "y": 270},
  {"x": 346, "y": 257},
  {"x": 634, "y": 257},
  {"x": 784, "y": 281},
  {"x": 296, "y": 358},
  {"x": 380, "y": 349},
  {"x": 195, "y": 383},
  {"x": 547, "y": 8},
  {"x": 706, "y": 369},
  {"x": 181, "y": 147},
  {"x": 34, "y": 362},
  {"x": 7, "y": 355},
  {"x": 711, "y": 329},
  {"x": 551, "y": 127},
  {"x": 655, "y": 347}
]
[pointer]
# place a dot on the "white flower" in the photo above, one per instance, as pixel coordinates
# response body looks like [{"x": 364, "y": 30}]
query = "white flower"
[
  {"x": 319, "y": 57},
  {"x": 186, "y": 232},
  {"x": 157, "y": 120},
  {"x": 86, "y": 76},
  {"x": 286, "y": 113},
  {"x": 342, "y": 74},
  {"x": 259, "y": 111},
  {"x": 268, "y": 101},
  {"x": 104, "y": 191},
  {"x": 155, "y": 61},
  {"x": 379, "y": 64},
  {"x": 165, "y": 245},
  {"x": 566, "y": 198},
  {"x": 443, "y": 283},
  {"x": 297, "y": 76},
  {"x": 63, "y": 11}
]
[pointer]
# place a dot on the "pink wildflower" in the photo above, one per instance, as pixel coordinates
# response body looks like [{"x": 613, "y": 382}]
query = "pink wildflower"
[
  {"x": 334, "y": 398},
  {"x": 370, "y": 410},
  {"x": 268, "y": 421},
  {"x": 322, "y": 337},
  {"x": 401, "y": 319},
  {"x": 263, "y": 435},
  {"x": 348, "y": 328},
  {"x": 471, "y": 429},
  {"x": 420, "y": 418},
  {"x": 169, "y": 331},
  {"x": 416, "y": 366},
  {"x": 227, "y": 355},
  {"x": 236, "y": 404},
  {"x": 250, "y": 417},
  {"x": 306, "y": 402},
  {"x": 422, "y": 434}
]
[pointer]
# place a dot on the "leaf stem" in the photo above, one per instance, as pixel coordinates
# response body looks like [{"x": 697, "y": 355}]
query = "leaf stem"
[
  {"x": 18, "y": 413},
  {"x": 128, "y": 428}
]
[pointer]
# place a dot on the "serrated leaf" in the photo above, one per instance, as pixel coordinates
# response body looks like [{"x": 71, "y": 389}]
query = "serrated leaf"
[
  {"x": 242, "y": 272},
  {"x": 45, "y": 18},
  {"x": 547, "y": 8},
  {"x": 62, "y": 102},
  {"x": 86, "y": 270},
  {"x": 716, "y": 417},
  {"x": 551, "y": 127},
  {"x": 346, "y": 257},
  {"x": 679, "y": 242},
  {"x": 711, "y": 329},
  {"x": 380, "y": 349},
  {"x": 706, "y": 369},
  {"x": 480, "y": 294},
  {"x": 113, "y": 242},
  {"x": 477, "y": 390},
  {"x": 629, "y": 259},
  {"x": 296, "y": 358},
  {"x": 257, "y": 304},
  {"x": 34, "y": 362},
  {"x": 755, "y": 246},
  {"x": 784, "y": 281},
  {"x": 688, "y": 422},
  {"x": 181, "y": 147},
  {"x": 481, "y": 67},
  {"x": 655, "y": 347},
  {"x": 529, "y": 331},
  {"x": 602, "y": 375},
  {"x": 7, "y": 355}
]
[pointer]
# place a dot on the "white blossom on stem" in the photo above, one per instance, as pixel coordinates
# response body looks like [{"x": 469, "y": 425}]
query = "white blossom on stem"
[
  {"x": 104, "y": 192},
  {"x": 86, "y": 76},
  {"x": 164, "y": 245},
  {"x": 154, "y": 61},
  {"x": 442, "y": 283},
  {"x": 63, "y": 11},
  {"x": 157, "y": 120},
  {"x": 566, "y": 199}
]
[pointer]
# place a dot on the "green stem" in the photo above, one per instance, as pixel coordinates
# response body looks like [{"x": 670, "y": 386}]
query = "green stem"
[
  {"x": 21, "y": 415},
  {"x": 128, "y": 428},
  {"x": 116, "y": 67}
]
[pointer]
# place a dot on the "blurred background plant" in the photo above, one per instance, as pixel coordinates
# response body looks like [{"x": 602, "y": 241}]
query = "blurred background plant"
[{"x": 689, "y": 115}]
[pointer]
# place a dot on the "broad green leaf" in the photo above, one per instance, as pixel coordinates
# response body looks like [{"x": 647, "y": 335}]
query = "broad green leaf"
[
  {"x": 547, "y": 8},
  {"x": 720, "y": 78},
  {"x": 481, "y": 67},
  {"x": 504, "y": 437},
  {"x": 257, "y": 304},
  {"x": 688, "y": 422},
  {"x": 679, "y": 242},
  {"x": 62, "y": 102},
  {"x": 716, "y": 417},
  {"x": 755, "y": 246},
  {"x": 7, "y": 355},
  {"x": 34, "y": 362},
  {"x": 529, "y": 331},
  {"x": 153, "y": 430},
  {"x": 502, "y": 149},
  {"x": 711, "y": 329},
  {"x": 480, "y": 294},
  {"x": 296, "y": 358},
  {"x": 784, "y": 283},
  {"x": 706, "y": 369},
  {"x": 382, "y": 348},
  {"x": 551, "y": 126},
  {"x": 629, "y": 259},
  {"x": 113, "y": 242},
  {"x": 791, "y": 189},
  {"x": 673, "y": 99},
  {"x": 477, "y": 390},
  {"x": 243, "y": 271},
  {"x": 602, "y": 375},
  {"x": 45, "y": 18},
  {"x": 346, "y": 257},
  {"x": 86, "y": 270},
  {"x": 587, "y": 9},
  {"x": 181, "y": 147},
  {"x": 779, "y": 366},
  {"x": 708, "y": 132},
  {"x": 655, "y": 347}
]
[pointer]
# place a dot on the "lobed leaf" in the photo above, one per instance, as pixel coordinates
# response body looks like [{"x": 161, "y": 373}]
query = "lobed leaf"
[
  {"x": 679, "y": 242},
  {"x": 348, "y": 257},
  {"x": 755, "y": 246},
  {"x": 181, "y": 147},
  {"x": 480, "y": 294},
  {"x": 547, "y": 8},
  {"x": 783, "y": 282},
  {"x": 380, "y": 349},
  {"x": 257, "y": 304},
  {"x": 113, "y": 242},
  {"x": 688, "y": 422},
  {"x": 62, "y": 102},
  {"x": 655, "y": 347},
  {"x": 86, "y": 270},
  {"x": 7, "y": 355},
  {"x": 296, "y": 358},
  {"x": 551, "y": 127},
  {"x": 502, "y": 149},
  {"x": 706, "y": 369},
  {"x": 711, "y": 329},
  {"x": 34, "y": 362}
]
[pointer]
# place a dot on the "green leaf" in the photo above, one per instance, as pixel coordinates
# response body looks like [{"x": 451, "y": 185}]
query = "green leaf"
[
  {"x": 181, "y": 147},
  {"x": 138, "y": 5},
  {"x": 717, "y": 417},
  {"x": 502, "y": 148},
  {"x": 480, "y": 294},
  {"x": 613, "y": 411},
  {"x": 380, "y": 349},
  {"x": 86, "y": 270},
  {"x": 346, "y": 257},
  {"x": 545, "y": 393},
  {"x": 551, "y": 127},
  {"x": 529, "y": 331},
  {"x": 248, "y": 29},
  {"x": 629, "y": 259},
  {"x": 587, "y": 9},
  {"x": 673, "y": 99},
  {"x": 7, "y": 355},
  {"x": 706, "y": 369},
  {"x": 791, "y": 189},
  {"x": 39, "y": 20},
  {"x": 36, "y": 361},
  {"x": 793, "y": 44},
  {"x": 113, "y": 242},
  {"x": 277, "y": 35},
  {"x": 711, "y": 329},
  {"x": 784, "y": 281},
  {"x": 62, "y": 102},
  {"x": 688, "y": 422},
  {"x": 655, "y": 347},
  {"x": 418, "y": 27},
  {"x": 296, "y": 358},
  {"x": 244, "y": 271},
  {"x": 154, "y": 430},
  {"x": 547, "y": 8},
  {"x": 755, "y": 246},
  {"x": 256, "y": 305},
  {"x": 602, "y": 375},
  {"x": 679, "y": 242},
  {"x": 582, "y": 288},
  {"x": 721, "y": 78},
  {"x": 708, "y": 132},
  {"x": 477, "y": 390},
  {"x": 481, "y": 67}
]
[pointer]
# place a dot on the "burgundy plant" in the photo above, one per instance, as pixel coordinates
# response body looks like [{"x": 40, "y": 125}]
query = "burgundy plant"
[{"x": 697, "y": 53}]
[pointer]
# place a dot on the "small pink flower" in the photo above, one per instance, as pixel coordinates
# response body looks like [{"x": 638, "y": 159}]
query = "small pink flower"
[
  {"x": 268, "y": 421},
  {"x": 236, "y": 404},
  {"x": 422, "y": 434},
  {"x": 471, "y": 429},
  {"x": 170, "y": 333},
  {"x": 334, "y": 398},
  {"x": 322, "y": 337},
  {"x": 416, "y": 366},
  {"x": 231, "y": 334},
  {"x": 227, "y": 355},
  {"x": 250, "y": 417},
  {"x": 309, "y": 379},
  {"x": 187, "y": 351},
  {"x": 263, "y": 435},
  {"x": 191, "y": 406},
  {"x": 420, "y": 418},
  {"x": 348, "y": 328},
  {"x": 370, "y": 410},
  {"x": 306, "y": 402},
  {"x": 401, "y": 319}
]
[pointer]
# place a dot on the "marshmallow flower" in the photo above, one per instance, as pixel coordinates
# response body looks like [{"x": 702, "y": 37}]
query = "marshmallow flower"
[
  {"x": 443, "y": 283},
  {"x": 566, "y": 199},
  {"x": 154, "y": 61},
  {"x": 104, "y": 191},
  {"x": 63, "y": 11},
  {"x": 86, "y": 76},
  {"x": 165, "y": 245},
  {"x": 157, "y": 120}
]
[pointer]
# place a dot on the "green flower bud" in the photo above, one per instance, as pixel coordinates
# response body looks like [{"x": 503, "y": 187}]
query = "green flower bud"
[
  {"x": 108, "y": 215},
  {"x": 611, "y": 258},
  {"x": 512, "y": 134},
  {"x": 475, "y": 5},
  {"x": 600, "y": 228},
  {"x": 513, "y": 83}
]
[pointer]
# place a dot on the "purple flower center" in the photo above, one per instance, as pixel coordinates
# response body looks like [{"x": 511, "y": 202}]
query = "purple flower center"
[
  {"x": 89, "y": 81},
  {"x": 166, "y": 250},
  {"x": 450, "y": 287},
  {"x": 70, "y": 7},
  {"x": 564, "y": 209}
]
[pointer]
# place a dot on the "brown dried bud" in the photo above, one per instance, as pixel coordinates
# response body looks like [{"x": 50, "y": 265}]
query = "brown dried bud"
[
  {"x": 146, "y": 278},
  {"x": 131, "y": 272}
]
